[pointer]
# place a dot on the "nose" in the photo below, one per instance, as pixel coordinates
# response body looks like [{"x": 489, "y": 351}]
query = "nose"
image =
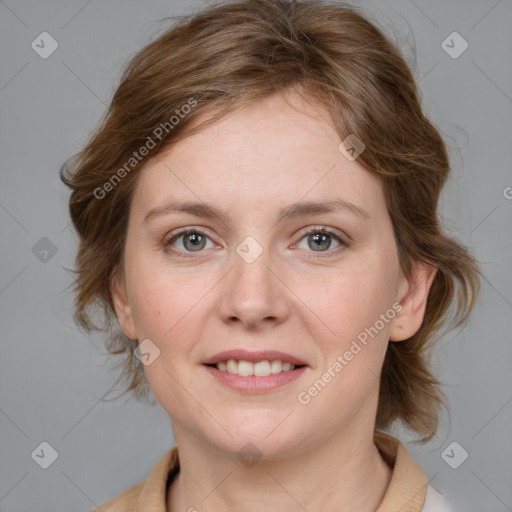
[{"x": 254, "y": 295}]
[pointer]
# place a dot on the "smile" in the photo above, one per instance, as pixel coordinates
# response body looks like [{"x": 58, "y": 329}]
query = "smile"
[{"x": 256, "y": 371}]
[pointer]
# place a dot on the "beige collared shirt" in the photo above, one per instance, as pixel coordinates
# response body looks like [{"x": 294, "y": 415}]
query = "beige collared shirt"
[{"x": 408, "y": 490}]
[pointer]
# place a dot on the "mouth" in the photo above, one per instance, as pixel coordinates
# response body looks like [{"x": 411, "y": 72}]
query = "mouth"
[{"x": 254, "y": 372}]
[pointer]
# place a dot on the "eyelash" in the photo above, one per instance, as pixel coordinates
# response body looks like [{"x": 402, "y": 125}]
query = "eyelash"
[{"x": 314, "y": 230}]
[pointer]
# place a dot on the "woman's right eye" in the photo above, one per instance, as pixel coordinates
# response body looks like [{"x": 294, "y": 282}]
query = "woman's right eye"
[{"x": 190, "y": 240}]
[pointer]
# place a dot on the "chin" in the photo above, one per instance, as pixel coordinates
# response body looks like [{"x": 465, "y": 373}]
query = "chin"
[{"x": 271, "y": 439}]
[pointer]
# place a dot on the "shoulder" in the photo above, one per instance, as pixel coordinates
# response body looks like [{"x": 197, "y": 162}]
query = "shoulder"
[
  {"x": 435, "y": 502},
  {"x": 150, "y": 493}
]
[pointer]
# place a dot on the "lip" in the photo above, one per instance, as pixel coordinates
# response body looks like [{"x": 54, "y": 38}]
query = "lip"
[
  {"x": 253, "y": 357},
  {"x": 253, "y": 384}
]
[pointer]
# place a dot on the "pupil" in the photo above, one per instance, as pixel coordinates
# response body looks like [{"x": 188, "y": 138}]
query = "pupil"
[
  {"x": 195, "y": 240},
  {"x": 319, "y": 239}
]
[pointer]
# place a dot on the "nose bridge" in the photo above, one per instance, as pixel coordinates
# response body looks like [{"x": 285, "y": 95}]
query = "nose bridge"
[{"x": 254, "y": 293}]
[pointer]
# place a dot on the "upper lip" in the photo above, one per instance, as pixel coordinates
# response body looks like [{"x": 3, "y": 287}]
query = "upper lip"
[{"x": 260, "y": 355}]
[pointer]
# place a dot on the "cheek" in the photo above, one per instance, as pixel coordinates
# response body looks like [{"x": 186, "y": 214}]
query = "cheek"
[
  {"x": 346, "y": 302},
  {"x": 168, "y": 308},
  {"x": 351, "y": 336},
  {"x": 156, "y": 296},
  {"x": 161, "y": 309},
  {"x": 166, "y": 311}
]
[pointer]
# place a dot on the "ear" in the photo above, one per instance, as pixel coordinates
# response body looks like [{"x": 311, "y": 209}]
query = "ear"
[
  {"x": 413, "y": 295},
  {"x": 122, "y": 306}
]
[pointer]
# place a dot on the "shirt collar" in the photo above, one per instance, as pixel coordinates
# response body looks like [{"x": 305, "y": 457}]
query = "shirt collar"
[{"x": 406, "y": 490}]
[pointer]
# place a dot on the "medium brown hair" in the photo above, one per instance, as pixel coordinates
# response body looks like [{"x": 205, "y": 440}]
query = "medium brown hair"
[{"x": 232, "y": 54}]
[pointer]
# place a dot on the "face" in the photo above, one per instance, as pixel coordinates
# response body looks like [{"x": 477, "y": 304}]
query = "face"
[{"x": 264, "y": 275}]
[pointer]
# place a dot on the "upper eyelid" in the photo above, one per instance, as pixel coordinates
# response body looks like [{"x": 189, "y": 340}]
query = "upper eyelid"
[
  {"x": 343, "y": 240},
  {"x": 183, "y": 231}
]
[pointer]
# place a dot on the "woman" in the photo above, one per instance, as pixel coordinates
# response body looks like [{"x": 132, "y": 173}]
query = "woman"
[{"x": 258, "y": 213}]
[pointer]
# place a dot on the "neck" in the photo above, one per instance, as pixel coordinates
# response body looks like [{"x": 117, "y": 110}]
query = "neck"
[{"x": 347, "y": 466}]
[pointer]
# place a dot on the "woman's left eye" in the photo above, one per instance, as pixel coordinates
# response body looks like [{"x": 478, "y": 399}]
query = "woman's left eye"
[{"x": 320, "y": 240}]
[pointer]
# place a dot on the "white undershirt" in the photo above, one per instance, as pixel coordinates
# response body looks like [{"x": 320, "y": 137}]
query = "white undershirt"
[{"x": 435, "y": 502}]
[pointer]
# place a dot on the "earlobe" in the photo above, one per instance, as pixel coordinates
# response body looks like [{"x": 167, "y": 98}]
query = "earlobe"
[
  {"x": 413, "y": 299},
  {"x": 122, "y": 307}
]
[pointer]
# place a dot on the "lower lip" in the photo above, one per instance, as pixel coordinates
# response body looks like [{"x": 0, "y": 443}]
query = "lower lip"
[{"x": 254, "y": 384}]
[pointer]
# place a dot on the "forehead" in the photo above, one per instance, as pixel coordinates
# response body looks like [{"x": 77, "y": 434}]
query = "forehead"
[{"x": 272, "y": 152}]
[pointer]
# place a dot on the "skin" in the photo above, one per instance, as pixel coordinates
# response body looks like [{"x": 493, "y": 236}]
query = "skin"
[{"x": 268, "y": 155}]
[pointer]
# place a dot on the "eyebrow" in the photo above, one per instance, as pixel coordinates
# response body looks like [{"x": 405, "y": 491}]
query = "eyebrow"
[{"x": 297, "y": 210}]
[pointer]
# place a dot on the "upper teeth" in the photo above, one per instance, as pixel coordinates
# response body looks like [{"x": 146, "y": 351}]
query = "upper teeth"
[{"x": 259, "y": 369}]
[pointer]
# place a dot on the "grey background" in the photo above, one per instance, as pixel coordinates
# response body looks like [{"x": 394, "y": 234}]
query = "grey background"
[{"x": 52, "y": 377}]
